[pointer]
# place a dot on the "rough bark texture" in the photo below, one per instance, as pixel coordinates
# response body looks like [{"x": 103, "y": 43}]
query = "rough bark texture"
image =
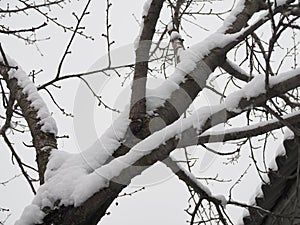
[
  {"x": 43, "y": 142},
  {"x": 138, "y": 95}
]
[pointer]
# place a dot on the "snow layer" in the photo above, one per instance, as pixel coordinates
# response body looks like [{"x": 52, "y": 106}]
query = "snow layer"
[
  {"x": 191, "y": 62},
  {"x": 146, "y": 7},
  {"x": 175, "y": 35},
  {"x": 232, "y": 16},
  {"x": 32, "y": 215},
  {"x": 244, "y": 214},
  {"x": 256, "y": 87},
  {"x": 252, "y": 126},
  {"x": 193, "y": 178},
  {"x": 279, "y": 152},
  {"x": 191, "y": 59},
  {"x": 222, "y": 199},
  {"x": 288, "y": 134},
  {"x": 47, "y": 123},
  {"x": 71, "y": 178}
]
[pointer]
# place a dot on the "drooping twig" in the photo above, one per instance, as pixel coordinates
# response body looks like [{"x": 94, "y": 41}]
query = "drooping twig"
[{"x": 20, "y": 164}]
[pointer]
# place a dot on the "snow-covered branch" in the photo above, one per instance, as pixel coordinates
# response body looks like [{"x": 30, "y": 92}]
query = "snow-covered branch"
[
  {"x": 200, "y": 60},
  {"x": 40, "y": 122},
  {"x": 234, "y": 70},
  {"x": 248, "y": 131},
  {"x": 190, "y": 180}
]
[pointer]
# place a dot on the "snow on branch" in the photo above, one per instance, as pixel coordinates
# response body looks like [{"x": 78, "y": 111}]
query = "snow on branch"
[
  {"x": 66, "y": 171},
  {"x": 248, "y": 131},
  {"x": 198, "y": 62},
  {"x": 40, "y": 122},
  {"x": 46, "y": 121},
  {"x": 242, "y": 12},
  {"x": 145, "y": 12},
  {"x": 234, "y": 70},
  {"x": 175, "y": 95}
]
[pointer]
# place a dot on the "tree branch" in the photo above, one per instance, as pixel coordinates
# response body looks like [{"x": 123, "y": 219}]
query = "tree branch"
[
  {"x": 77, "y": 28},
  {"x": 43, "y": 141},
  {"x": 235, "y": 71},
  {"x": 23, "y": 9},
  {"x": 138, "y": 95},
  {"x": 5, "y": 30},
  {"x": 247, "y": 132},
  {"x": 20, "y": 164}
]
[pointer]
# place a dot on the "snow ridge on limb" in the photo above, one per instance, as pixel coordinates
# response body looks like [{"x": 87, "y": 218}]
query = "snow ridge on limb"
[
  {"x": 248, "y": 131},
  {"x": 40, "y": 122},
  {"x": 145, "y": 154},
  {"x": 178, "y": 92},
  {"x": 46, "y": 121},
  {"x": 242, "y": 12},
  {"x": 144, "y": 13}
]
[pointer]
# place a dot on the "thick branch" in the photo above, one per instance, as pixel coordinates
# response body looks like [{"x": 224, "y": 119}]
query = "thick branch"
[
  {"x": 250, "y": 7},
  {"x": 43, "y": 141},
  {"x": 247, "y": 132},
  {"x": 235, "y": 71},
  {"x": 138, "y": 100}
]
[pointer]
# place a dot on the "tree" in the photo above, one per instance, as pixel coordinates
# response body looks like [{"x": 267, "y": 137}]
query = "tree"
[{"x": 263, "y": 95}]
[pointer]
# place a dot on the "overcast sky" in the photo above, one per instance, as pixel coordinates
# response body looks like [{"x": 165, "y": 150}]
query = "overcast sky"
[{"x": 165, "y": 198}]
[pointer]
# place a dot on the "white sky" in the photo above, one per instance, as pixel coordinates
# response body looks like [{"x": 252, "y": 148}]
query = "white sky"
[{"x": 165, "y": 198}]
